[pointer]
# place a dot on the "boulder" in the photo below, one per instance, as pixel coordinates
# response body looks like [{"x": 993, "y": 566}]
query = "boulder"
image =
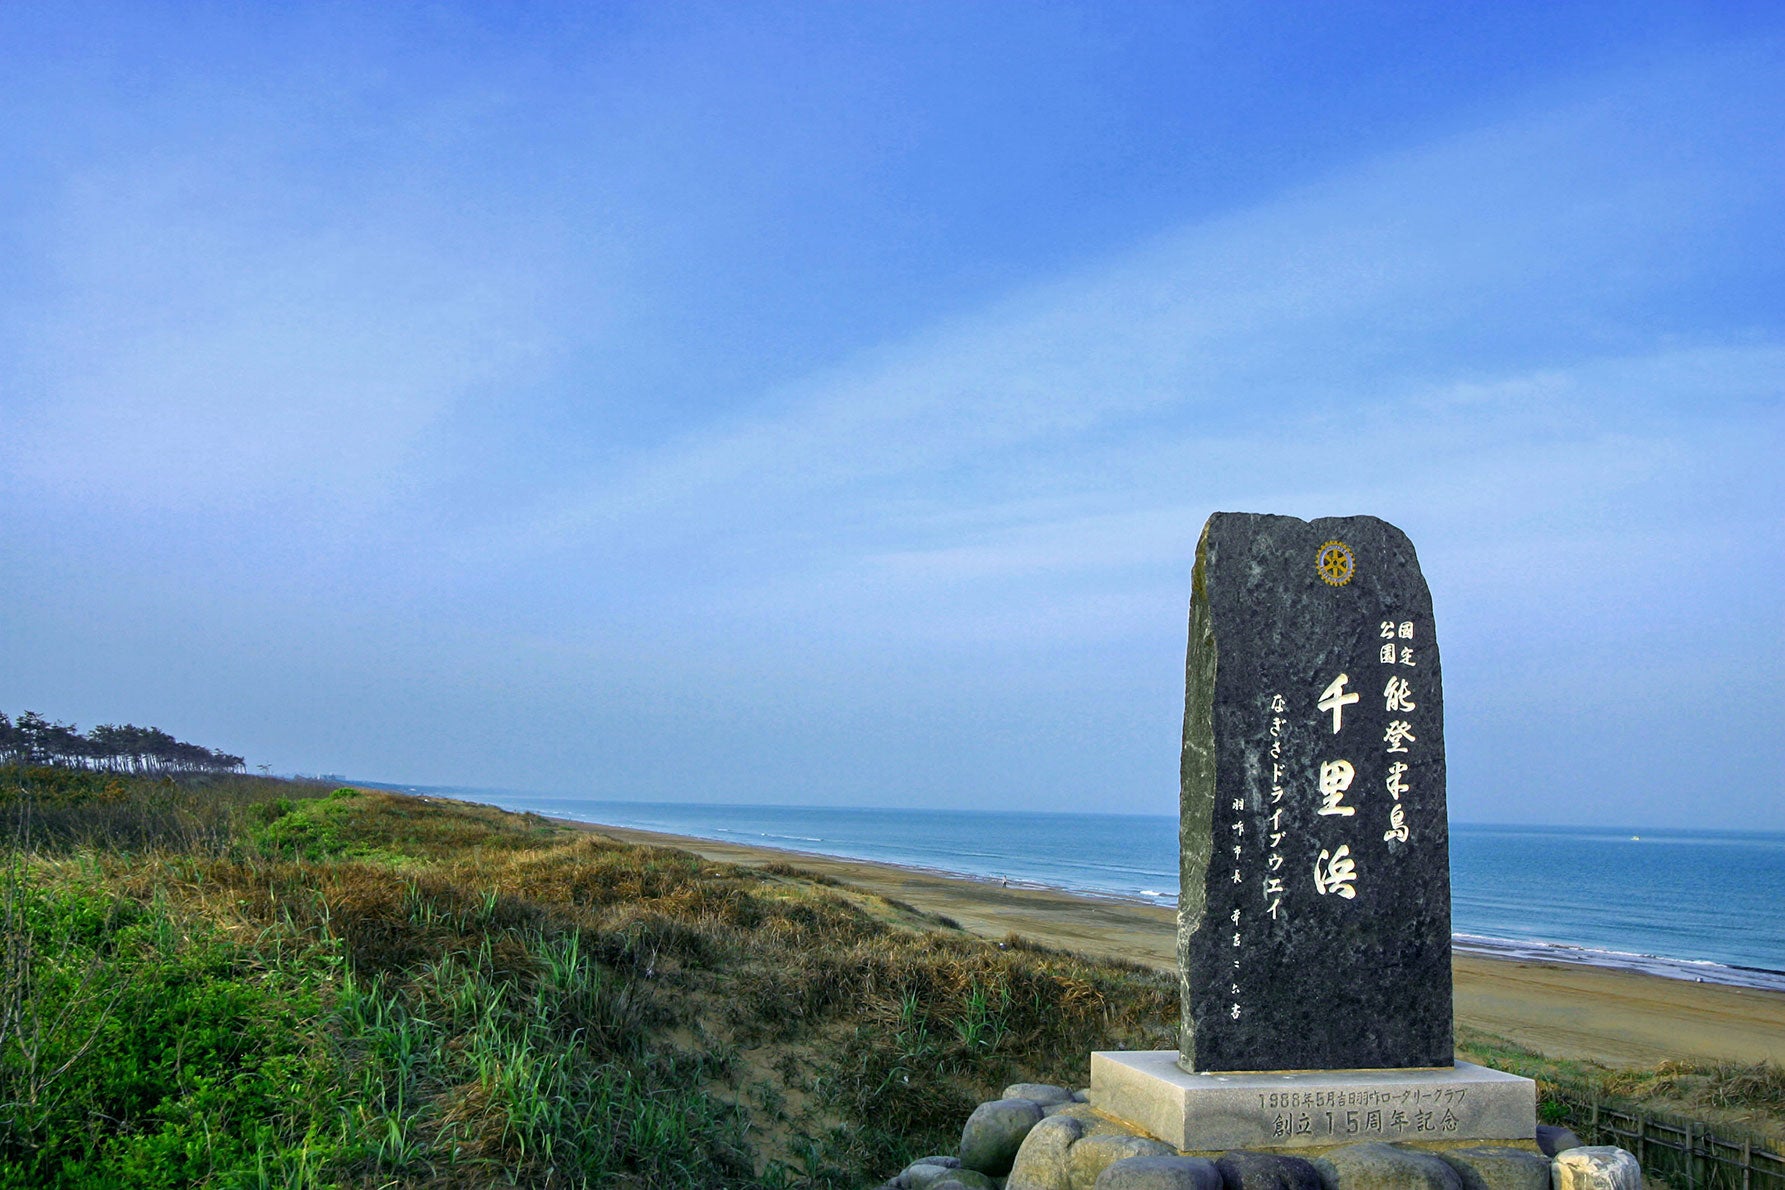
[
  {"x": 1041, "y": 1162},
  {"x": 994, "y": 1132},
  {"x": 1499, "y": 1167},
  {"x": 1596, "y": 1167},
  {"x": 964, "y": 1179},
  {"x": 1159, "y": 1173},
  {"x": 1045, "y": 1094},
  {"x": 1090, "y": 1156},
  {"x": 1552, "y": 1139},
  {"x": 1243, "y": 1170},
  {"x": 926, "y": 1172},
  {"x": 1372, "y": 1165}
]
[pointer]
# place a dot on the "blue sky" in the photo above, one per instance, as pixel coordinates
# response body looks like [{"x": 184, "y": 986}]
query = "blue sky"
[{"x": 820, "y": 403}]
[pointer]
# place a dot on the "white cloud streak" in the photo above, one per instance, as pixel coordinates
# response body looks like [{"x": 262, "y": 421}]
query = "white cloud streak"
[{"x": 1430, "y": 331}]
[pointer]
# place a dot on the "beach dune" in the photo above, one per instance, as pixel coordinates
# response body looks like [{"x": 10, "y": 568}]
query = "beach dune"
[{"x": 1618, "y": 1018}]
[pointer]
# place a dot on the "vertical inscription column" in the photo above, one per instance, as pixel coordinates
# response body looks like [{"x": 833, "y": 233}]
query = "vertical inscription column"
[{"x": 1314, "y": 922}]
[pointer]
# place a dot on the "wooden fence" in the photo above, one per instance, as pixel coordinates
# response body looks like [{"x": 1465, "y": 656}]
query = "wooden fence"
[{"x": 1686, "y": 1155}]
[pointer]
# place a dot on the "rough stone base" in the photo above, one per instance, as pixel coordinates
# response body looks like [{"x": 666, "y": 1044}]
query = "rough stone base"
[{"x": 1309, "y": 1109}]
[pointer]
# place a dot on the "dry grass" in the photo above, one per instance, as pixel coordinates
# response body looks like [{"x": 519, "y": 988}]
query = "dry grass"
[
  {"x": 54, "y": 810},
  {"x": 446, "y": 994},
  {"x": 551, "y": 1006},
  {"x": 1733, "y": 1097}
]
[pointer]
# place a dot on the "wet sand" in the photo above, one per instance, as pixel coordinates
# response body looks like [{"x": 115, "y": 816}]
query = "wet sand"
[{"x": 1619, "y": 1018}]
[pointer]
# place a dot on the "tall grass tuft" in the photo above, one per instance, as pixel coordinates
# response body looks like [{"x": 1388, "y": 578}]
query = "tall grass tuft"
[{"x": 288, "y": 986}]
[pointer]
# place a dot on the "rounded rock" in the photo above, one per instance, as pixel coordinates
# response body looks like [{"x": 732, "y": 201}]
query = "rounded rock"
[
  {"x": 1041, "y": 1162},
  {"x": 1090, "y": 1156},
  {"x": 1553, "y": 1138},
  {"x": 1045, "y": 1094},
  {"x": 995, "y": 1131},
  {"x": 1159, "y": 1173},
  {"x": 921, "y": 1175},
  {"x": 1499, "y": 1167},
  {"x": 1245, "y": 1170},
  {"x": 1372, "y": 1165},
  {"x": 964, "y": 1179},
  {"x": 1596, "y": 1167}
]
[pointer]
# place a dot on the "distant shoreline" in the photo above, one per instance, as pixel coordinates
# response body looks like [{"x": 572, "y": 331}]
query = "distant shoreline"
[
  {"x": 1486, "y": 946},
  {"x": 1569, "y": 954},
  {"x": 1635, "y": 833},
  {"x": 1131, "y": 859},
  {"x": 1616, "y": 1016}
]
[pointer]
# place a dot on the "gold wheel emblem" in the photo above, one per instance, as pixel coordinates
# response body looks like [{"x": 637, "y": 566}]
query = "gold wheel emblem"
[{"x": 1335, "y": 564}]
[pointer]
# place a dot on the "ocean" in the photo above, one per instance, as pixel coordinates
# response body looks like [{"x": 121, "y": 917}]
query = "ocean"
[{"x": 1706, "y": 905}]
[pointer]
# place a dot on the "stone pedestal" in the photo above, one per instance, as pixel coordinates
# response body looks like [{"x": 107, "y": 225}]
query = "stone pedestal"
[{"x": 1309, "y": 1109}]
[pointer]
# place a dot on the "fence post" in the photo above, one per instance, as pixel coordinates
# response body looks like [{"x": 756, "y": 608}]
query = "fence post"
[{"x": 1704, "y": 1154}]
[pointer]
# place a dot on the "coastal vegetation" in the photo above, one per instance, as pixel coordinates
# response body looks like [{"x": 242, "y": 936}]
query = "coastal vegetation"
[
  {"x": 225, "y": 980},
  {"x": 236, "y": 981},
  {"x": 1734, "y": 1097},
  {"x": 32, "y": 739}
]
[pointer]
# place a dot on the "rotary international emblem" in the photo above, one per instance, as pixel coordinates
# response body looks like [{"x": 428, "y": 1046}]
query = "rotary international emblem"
[{"x": 1335, "y": 563}]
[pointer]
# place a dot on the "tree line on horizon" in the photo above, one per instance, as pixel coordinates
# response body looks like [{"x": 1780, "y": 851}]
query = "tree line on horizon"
[{"x": 111, "y": 747}]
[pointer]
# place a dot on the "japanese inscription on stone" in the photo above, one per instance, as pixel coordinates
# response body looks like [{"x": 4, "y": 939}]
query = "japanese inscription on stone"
[
  {"x": 1365, "y": 1113},
  {"x": 1314, "y": 922}
]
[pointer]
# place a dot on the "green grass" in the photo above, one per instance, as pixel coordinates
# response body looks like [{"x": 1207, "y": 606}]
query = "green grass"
[
  {"x": 141, "y": 1049},
  {"x": 286, "y": 986},
  {"x": 246, "y": 983}
]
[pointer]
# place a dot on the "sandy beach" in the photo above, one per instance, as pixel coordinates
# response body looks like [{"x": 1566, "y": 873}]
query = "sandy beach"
[{"x": 1618, "y": 1018}]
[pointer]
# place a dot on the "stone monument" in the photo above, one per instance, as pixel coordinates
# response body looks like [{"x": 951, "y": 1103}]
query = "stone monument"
[{"x": 1314, "y": 916}]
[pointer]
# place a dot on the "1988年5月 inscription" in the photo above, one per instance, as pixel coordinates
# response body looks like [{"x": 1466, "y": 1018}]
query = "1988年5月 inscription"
[{"x": 1365, "y": 1112}]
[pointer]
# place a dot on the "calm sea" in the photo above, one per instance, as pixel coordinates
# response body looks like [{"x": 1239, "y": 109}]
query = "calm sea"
[{"x": 1689, "y": 904}]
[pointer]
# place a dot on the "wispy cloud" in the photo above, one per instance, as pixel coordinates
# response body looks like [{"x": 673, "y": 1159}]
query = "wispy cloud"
[
  {"x": 1345, "y": 345},
  {"x": 440, "y": 409},
  {"x": 190, "y": 364}
]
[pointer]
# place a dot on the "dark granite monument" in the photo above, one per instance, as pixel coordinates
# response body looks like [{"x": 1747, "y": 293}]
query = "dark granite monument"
[
  {"x": 1314, "y": 918},
  {"x": 1314, "y": 922}
]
